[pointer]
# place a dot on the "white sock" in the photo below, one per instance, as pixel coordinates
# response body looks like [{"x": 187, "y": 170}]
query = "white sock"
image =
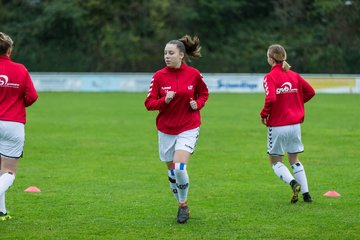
[
  {"x": 282, "y": 172},
  {"x": 172, "y": 181},
  {"x": 299, "y": 173},
  {"x": 6, "y": 180},
  {"x": 2, "y": 203},
  {"x": 182, "y": 181}
]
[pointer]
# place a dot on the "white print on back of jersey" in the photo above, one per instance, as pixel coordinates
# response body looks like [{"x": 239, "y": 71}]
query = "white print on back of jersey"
[
  {"x": 266, "y": 86},
  {"x": 4, "y": 82},
  {"x": 286, "y": 88}
]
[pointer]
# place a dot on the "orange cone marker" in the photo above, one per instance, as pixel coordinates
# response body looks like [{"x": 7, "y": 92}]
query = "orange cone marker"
[
  {"x": 32, "y": 189},
  {"x": 332, "y": 194}
]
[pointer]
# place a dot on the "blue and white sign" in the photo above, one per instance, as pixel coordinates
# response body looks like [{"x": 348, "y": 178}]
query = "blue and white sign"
[{"x": 216, "y": 82}]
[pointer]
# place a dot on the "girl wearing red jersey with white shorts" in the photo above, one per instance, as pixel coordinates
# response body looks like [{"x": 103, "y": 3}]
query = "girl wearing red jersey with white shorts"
[
  {"x": 285, "y": 94},
  {"x": 16, "y": 93},
  {"x": 178, "y": 92}
]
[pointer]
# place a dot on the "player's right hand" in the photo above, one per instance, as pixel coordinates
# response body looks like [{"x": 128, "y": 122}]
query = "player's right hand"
[{"x": 169, "y": 96}]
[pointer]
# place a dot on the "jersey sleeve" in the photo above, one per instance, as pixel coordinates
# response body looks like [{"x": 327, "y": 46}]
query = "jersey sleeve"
[
  {"x": 307, "y": 90},
  {"x": 202, "y": 92},
  {"x": 30, "y": 92},
  {"x": 153, "y": 100},
  {"x": 270, "y": 96}
]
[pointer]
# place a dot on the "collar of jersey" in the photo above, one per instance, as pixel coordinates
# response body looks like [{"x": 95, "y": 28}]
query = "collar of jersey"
[
  {"x": 4, "y": 57},
  {"x": 182, "y": 67},
  {"x": 279, "y": 65}
]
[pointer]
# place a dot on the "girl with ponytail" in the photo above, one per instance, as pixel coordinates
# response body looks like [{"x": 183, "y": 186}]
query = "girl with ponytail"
[
  {"x": 286, "y": 92},
  {"x": 178, "y": 92}
]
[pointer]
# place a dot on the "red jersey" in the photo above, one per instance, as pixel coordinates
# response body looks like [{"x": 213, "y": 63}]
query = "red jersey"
[
  {"x": 177, "y": 116},
  {"x": 16, "y": 90},
  {"x": 285, "y": 95}
]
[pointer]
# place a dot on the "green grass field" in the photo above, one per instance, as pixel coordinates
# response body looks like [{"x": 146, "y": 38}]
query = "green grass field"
[{"x": 95, "y": 158}]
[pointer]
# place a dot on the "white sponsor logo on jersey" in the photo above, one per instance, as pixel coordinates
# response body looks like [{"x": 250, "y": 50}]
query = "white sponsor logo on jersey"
[
  {"x": 4, "y": 82},
  {"x": 286, "y": 88}
]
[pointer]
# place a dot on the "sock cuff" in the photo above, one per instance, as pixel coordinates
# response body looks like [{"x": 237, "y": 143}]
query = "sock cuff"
[
  {"x": 8, "y": 175},
  {"x": 6, "y": 180},
  {"x": 297, "y": 165},
  {"x": 180, "y": 166},
  {"x": 277, "y": 165}
]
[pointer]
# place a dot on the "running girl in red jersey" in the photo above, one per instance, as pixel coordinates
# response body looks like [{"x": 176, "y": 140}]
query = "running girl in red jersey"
[
  {"x": 16, "y": 93},
  {"x": 178, "y": 92},
  {"x": 285, "y": 94}
]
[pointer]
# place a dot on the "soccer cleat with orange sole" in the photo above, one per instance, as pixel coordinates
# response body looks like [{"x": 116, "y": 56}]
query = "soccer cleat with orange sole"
[{"x": 183, "y": 213}]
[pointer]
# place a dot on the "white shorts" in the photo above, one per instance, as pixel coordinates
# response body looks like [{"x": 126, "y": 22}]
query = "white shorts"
[
  {"x": 168, "y": 144},
  {"x": 12, "y": 137},
  {"x": 284, "y": 138}
]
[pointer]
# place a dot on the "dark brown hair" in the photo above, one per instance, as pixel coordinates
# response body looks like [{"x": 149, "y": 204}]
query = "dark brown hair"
[{"x": 189, "y": 45}]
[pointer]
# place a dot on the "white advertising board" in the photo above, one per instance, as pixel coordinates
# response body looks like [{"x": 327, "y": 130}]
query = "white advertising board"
[{"x": 216, "y": 82}]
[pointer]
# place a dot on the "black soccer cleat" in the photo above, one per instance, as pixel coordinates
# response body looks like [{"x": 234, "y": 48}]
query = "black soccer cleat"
[
  {"x": 307, "y": 197},
  {"x": 183, "y": 213},
  {"x": 296, "y": 188}
]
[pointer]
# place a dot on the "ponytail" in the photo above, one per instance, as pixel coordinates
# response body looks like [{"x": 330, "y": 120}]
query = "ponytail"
[
  {"x": 190, "y": 46},
  {"x": 6, "y": 43},
  {"x": 285, "y": 66},
  {"x": 278, "y": 53}
]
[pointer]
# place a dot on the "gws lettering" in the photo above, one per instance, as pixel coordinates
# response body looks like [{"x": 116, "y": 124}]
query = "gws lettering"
[{"x": 286, "y": 88}]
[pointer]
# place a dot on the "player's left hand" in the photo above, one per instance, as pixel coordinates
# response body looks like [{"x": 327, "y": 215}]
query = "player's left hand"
[
  {"x": 264, "y": 120},
  {"x": 193, "y": 104}
]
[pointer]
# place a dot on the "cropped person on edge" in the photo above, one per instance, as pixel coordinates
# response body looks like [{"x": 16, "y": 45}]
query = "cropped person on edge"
[
  {"x": 178, "y": 92},
  {"x": 283, "y": 112},
  {"x": 16, "y": 93}
]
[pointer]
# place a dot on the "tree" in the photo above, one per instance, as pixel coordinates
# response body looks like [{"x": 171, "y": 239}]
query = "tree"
[{"x": 320, "y": 36}]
